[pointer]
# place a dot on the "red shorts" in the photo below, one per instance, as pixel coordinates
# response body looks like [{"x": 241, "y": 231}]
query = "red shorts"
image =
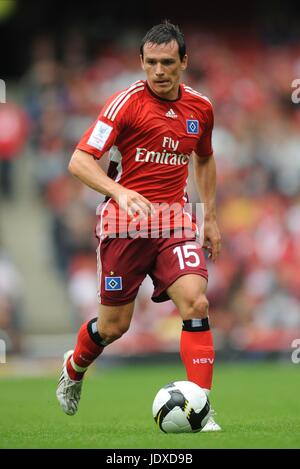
[{"x": 123, "y": 263}]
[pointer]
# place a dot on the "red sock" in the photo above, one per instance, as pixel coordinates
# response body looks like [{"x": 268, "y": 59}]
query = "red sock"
[
  {"x": 88, "y": 347},
  {"x": 197, "y": 352}
]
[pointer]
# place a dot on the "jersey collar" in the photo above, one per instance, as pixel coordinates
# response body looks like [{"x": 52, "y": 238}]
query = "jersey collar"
[{"x": 163, "y": 99}]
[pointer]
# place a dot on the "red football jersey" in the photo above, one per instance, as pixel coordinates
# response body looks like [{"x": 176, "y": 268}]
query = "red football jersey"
[{"x": 150, "y": 140}]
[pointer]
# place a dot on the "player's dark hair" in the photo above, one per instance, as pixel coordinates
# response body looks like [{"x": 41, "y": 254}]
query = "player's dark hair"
[{"x": 163, "y": 34}]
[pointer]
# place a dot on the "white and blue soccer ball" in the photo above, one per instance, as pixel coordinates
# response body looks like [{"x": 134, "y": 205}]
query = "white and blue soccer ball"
[{"x": 181, "y": 407}]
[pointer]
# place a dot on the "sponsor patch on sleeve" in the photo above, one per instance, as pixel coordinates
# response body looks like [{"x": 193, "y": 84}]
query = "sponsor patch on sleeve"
[{"x": 99, "y": 136}]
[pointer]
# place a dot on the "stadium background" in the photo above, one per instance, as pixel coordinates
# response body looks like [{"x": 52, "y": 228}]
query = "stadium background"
[{"x": 60, "y": 61}]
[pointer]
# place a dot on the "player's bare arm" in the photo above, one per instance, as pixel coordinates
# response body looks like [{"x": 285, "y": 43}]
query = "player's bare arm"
[
  {"x": 205, "y": 178},
  {"x": 83, "y": 166}
]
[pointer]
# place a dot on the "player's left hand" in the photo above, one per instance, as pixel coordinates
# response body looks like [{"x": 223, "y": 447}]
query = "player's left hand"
[{"x": 212, "y": 239}]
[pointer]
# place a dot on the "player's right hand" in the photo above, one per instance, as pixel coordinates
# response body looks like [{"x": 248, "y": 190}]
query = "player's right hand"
[{"x": 135, "y": 205}]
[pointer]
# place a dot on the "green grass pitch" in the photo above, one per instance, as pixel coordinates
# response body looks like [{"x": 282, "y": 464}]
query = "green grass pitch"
[{"x": 257, "y": 405}]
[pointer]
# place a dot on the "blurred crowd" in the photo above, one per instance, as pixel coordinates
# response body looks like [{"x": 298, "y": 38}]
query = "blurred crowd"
[
  {"x": 254, "y": 288},
  {"x": 10, "y": 304}
]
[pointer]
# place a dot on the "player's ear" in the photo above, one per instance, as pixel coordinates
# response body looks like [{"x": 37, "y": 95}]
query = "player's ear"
[
  {"x": 184, "y": 62},
  {"x": 142, "y": 62}
]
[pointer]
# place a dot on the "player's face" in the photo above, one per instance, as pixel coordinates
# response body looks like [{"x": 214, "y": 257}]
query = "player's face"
[{"x": 163, "y": 68}]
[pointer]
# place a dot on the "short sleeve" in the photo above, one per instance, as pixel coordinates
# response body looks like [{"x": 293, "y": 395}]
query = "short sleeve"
[
  {"x": 204, "y": 146},
  {"x": 101, "y": 136},
  {"x": 116, "y": 114}
]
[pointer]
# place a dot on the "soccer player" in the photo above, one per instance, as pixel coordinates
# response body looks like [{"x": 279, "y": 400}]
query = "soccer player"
[{"x": 151, "y": 130}]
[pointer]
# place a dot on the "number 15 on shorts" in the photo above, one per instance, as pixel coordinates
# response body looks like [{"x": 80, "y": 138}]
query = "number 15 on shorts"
[{"x": 187, "y": 256}]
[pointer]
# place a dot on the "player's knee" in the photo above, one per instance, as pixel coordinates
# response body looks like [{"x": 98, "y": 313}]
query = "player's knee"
[
  {"x": 198, "y": 307},
  {"x": 112, "y": 332}
]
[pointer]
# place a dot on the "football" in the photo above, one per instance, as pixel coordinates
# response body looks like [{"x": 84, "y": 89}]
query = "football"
[{"x": 181, "y": 407}]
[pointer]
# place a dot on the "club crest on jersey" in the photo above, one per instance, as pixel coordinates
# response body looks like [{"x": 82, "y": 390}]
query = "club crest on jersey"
[
  {"x": 192, "y": 126},
  {"x": 113, "y": 283}
]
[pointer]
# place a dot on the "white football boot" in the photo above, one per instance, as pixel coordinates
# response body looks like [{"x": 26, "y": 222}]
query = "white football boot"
[
  {"x": 68, "y": 391},
  {"x": 211, "y": 425}
]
